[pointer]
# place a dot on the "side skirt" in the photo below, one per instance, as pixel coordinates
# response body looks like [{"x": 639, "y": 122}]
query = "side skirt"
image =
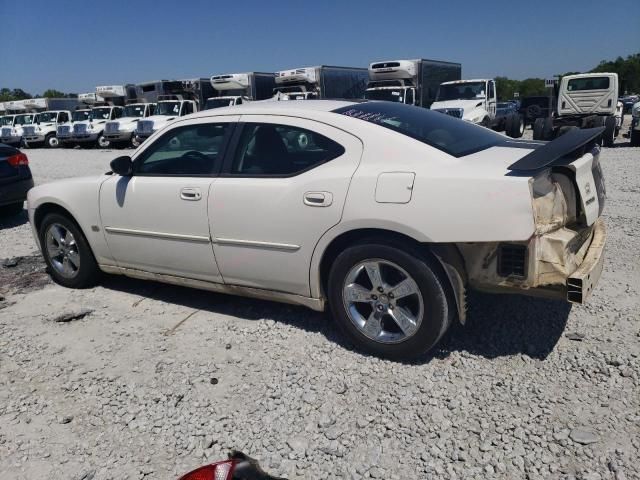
[{"x": 262, "y": 294}]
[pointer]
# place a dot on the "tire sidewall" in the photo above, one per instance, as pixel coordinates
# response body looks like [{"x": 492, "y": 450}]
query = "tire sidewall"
[
  {"x": 88, "y": 272},
  {"x": 49, "y": 138},
  {"x": 437, "y": 310}
]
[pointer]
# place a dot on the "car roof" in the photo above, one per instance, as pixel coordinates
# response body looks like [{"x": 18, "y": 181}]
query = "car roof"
[{"x": 275, "y": 107}]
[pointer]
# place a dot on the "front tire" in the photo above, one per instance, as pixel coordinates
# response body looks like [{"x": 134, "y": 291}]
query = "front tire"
[
  {"x": 103, "y": 142},
  {"x": 388, "y": 301},
  {"x": 67, "y": 253},
  {"x": 51, "y": 141},
  {"x": 135, "y": 142},
  {"x": 609, "y": 134}
]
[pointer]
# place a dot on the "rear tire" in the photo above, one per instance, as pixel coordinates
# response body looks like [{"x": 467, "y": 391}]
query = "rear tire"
[
  {"x": 67, "y": 253},
  {"x": 609, "y": 134},
  {"x": 538, "y": 128},
  {"x": 635, "y": 138},
  {"x": 398, "y": 326},
  {"x": 515, "y": 125}
]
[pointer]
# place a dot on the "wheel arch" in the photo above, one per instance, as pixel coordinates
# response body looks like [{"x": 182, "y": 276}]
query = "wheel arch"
[{"x": 446, "y": 255}]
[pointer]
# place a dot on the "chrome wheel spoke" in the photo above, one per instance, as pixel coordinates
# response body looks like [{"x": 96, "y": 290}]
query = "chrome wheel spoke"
[
  {"x": 67, "y": 269},
  {"x": 373, "y": 271},
  {"x": 405, "y": 320},
  {"x": 57, "y": 234},
  {"x": 74, "y": 258},
  {"x": 403, "y": 289},
  {"x": 357, "y": 293},
  {"x": 373, "y": 326}
]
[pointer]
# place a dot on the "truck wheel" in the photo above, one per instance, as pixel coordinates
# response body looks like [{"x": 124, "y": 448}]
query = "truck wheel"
[
  {"x": 389, "y": 301},
  {"x": 103, "y": 142},
  {"x": 635, "y": 138},
  {"x": 51, "y": 141},
  {"x": 135, "y": 143},
  {"x": 485, "y": 122},
  {"x": 514, "y": 126},
  {"x": 538, "y": 128},
  {"x": 547, "y": 131},
  {"x": 609, "y": 134}
]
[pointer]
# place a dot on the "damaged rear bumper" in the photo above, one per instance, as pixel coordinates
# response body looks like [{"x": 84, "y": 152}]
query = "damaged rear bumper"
[
  {"x": 563, "y": 264},
  {"x": 581, "y": 283}
]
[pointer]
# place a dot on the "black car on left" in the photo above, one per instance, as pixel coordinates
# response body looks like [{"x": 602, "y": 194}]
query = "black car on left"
[{"x": 15, "y": 180}]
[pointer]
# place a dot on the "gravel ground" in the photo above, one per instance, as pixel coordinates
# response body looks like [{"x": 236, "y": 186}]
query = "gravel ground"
[{"x": 152, "y": 380}]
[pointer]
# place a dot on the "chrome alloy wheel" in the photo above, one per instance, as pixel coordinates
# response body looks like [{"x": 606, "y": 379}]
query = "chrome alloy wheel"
[
  {"x": 383, "y": 301},
  {"x": 62, "y": 250}
]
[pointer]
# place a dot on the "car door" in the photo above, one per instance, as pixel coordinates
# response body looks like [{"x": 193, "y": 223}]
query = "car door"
[
  {"x": 282, "y": 187},
  {"x": 156, "y": 219}
]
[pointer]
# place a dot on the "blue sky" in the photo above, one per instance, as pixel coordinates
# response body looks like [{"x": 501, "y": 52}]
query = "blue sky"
[{"x": 75, "y": 45}]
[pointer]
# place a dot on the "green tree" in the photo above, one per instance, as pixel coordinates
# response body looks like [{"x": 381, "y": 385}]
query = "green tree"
[{"x": 52, "y": 93}]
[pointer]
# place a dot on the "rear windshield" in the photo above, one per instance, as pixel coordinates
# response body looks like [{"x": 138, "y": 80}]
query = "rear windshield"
[
  {"x": 451, "y": 135},
  {"x": 588, "y": 83}
]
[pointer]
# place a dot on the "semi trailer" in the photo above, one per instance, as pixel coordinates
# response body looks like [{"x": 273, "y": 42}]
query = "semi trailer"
[
  {"x": 237, "y": 88},
  {"x": 413, "y": 82},
  {"x": 321, "y": 82}
]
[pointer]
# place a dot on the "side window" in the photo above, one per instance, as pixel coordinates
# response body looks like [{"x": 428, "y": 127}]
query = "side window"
[
  {"x": 152, "y": 110},
  {"x": 187, "y": 108},
  {"x": 188, "y": 150},
  {"x": 63, "y": 117},
  {"x": 491, "y": 90},
  {"x": 117, "y": 112},
  {"x": 239, "y": 101},
  {"x": 281, "y": 150}
]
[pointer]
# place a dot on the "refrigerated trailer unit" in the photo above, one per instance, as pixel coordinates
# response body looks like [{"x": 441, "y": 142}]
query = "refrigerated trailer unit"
[
  {"x": 117, "y": 95},
  {"x": 238, "y": 88},
  {"x": 413, "y": 82},
  {"x": 197, "y": 90},
  {"x": 321, "y": 82}
]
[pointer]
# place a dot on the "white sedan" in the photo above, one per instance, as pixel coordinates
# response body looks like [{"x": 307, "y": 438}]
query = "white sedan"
[{"x": 385, "y": 212}]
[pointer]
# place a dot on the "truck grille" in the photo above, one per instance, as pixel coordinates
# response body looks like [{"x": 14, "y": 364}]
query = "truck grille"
[
  {"x": 5, "y": 132},
  {"x": 111, "y": 127},
  {"x": 145, "y": 126},
  {"x": 453, "y": 112},
  {"x": 512, "y": 260},
  {"x": 64, "y": 130},
  {"x": 28, "y": 131},
  {"x": 80, "y": 128}
]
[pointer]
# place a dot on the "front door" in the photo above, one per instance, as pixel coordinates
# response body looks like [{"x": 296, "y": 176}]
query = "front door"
[
  {"x": 281, "y": 189},
  {"x": 156, "y": 219}
]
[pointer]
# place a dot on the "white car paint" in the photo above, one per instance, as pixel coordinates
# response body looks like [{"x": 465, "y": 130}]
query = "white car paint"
[{"x": 261, "y": 233}]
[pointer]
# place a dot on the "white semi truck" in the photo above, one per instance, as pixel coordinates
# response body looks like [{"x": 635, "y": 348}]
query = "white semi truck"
[
  {"x": 476, "y": 101},
  {"x": 121, "y": 132},
  {"x": 413, "y": 82},
  {"x": 11, "y": 133},
  {"x": 321, "y": 82},
  {"x": 90, "y": 132},
  {"x": 52, "y": 112},
  {"x": 180, "y": 98},
  {"x": 238, "y": 88},
  {"x": 634, "y": 129},
  {"x": 585, "y": 100}
]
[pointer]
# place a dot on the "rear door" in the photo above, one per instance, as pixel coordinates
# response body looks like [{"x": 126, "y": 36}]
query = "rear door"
[{"x": 282, "y": 187}]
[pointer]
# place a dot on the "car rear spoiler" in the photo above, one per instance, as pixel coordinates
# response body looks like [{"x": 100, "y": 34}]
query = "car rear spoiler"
[{"x": 569, "y": 146}]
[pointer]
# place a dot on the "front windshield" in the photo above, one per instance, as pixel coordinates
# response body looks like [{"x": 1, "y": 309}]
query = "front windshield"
[
  {"x": 168, "y": 108},
  {"x": 461, "y": 91},
  {"x": 26, "y": 119},
  {"x": 134, "y": 111},
  {"x": 388, "y": 94},
  {"x": 443, "y": 132},
  {"x": 101, "y": 113},
  {"x": 47, "y": 117},
  {"x": 80, "y": 115},
  {"x": 6, "y": 120},
  {"x": 218, "y": 103}
]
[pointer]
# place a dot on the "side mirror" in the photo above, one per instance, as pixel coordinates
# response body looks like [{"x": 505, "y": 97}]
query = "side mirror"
[{"x": 122, "y": 166}]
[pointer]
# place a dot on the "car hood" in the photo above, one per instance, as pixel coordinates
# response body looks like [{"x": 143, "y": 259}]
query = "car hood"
[{"x": 465, "y": 104}]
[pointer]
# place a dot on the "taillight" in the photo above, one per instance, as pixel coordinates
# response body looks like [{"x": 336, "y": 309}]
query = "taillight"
[
  {"x": 18, "y": 159},
  {"x": 217, "y": 471}
]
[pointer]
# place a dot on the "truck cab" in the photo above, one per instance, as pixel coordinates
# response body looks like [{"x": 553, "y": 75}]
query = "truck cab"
[
  {"x": 393, "y": 81},
  {"x": 585, "y": 100},
  {"x": 122, "y": 131},
  {"x": 168, "y": 108},
  {"x": 44, "y": 131},
  {"x": 64, "y": 132},
  {"x": 90, "y": 132},
  {"x": 12, "y": 134},
  {"x": 472, "y": 100}
]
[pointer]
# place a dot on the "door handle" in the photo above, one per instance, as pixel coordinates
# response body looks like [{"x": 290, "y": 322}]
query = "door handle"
[
  {"x": 318, "y": 199},
  {"x": 190, "y": 194}
]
